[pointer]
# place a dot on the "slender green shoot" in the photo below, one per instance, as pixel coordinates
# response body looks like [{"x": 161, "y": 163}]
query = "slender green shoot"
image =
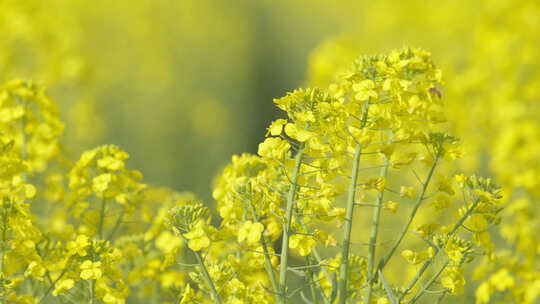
[{"x": 291, "y": 202}]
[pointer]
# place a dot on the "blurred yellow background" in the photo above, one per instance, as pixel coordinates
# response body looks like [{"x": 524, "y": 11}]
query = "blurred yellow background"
[{"x": 182, "y": 85}]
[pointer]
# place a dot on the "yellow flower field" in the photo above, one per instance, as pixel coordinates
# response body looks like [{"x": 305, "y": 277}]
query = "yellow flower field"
[{"x": 229, "y": 152}]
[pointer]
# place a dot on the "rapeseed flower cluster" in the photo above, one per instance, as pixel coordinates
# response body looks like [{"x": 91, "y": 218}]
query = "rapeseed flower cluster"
[
  {"x": 82, "y": 248},
  {"x": 349, "y": 146},
  {"x": 412, "y": 229},
  {"x": 354, "y": 144},
  {"x": 492, "y": 91},
  {"x": 370, "y": 147}
]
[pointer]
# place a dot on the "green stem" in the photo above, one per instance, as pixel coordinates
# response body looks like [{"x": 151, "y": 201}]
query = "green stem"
[
  {"x": 269, "y": 268},
  {"x": 208, "y": 279},
  {"x": 311, "y": 280},
  {"x": 417, "y": 205},
  {"x": 373, "y": 235},
  {"x": 213, "y": 291},
  {"x": 317, "y": 256},
  {"x": 119, "y": 221},
  {"x": 91, "y": 301},
  {"x": 291, "y": 200},
  {"x": 155, "y": 295},
  {"x": 417, "y": 276},
  {"x": 52, "y": 282},
  {"x": 428, "y": 263},
  {"x": 344, "y": 267},
  {"x": 429, "y": 283},
  {"x": 268, "y": 262},
  {"x": 441, "y": 298},
  {"x": 464, "y": 217},
  {"x": 102, "y": 217}
]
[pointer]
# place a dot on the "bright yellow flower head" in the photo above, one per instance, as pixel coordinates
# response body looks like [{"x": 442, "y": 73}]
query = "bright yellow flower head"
[
  {"x": 197, "y": 237},
  {"x": 250, "y": 232},
  {"x": 90, "y": 270},
  {"x": 78, "y": 246},
  {"x": 302, "y": 243}
]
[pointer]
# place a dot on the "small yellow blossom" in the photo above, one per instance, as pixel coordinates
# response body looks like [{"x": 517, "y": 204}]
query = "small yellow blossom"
[
  {"x": 62, "y": 286},
  {"x": 274, "y": 147},
  {"x": 90, "y": 270},
  {"x": 78, "y": 246},
  {"x": 197, "y": 237},
  {"x": 391, "y": 206},
  {"x": 502, "y": 280},
  {"x": 250, "y": 232},
  {"x": 276, "y": 128},
  {"x": 293, "y": 131},
  {"x": 418, "y": 257},
  {"x": 365, "y": 90},
  {"x": 188, "y": 296},
  {"x": 441, "y": 202},
  {"x": 303, "y": 243},
  {"x": 408, "y": 192},
  {"x": 453, "y": 280}
]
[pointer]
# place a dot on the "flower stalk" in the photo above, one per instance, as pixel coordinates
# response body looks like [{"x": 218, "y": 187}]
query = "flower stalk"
[
  {"x": 102, "y": 217},
  {"x": 417, "y": 205},
  {"x": 267, "y": 262},
  {"x": 428, "y": 263},
  {"x": 206, "y": 275},
  {"x": 291, "y": 199},
  {"x": 344, "y": 268},
  {"x": 373, "y": 235},
  {"x": 351, "y": 199}
]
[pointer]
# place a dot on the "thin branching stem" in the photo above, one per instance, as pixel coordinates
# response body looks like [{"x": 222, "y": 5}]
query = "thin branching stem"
[
  {"x": 429, "y": 283},
  {"x": 52, "y": 282},
  {"x": 268, "y": 262},
  {"x": 291, "y": 202},
  {"x": 428, "y": 263},
  {"x": 213, "y": 291},
  {"x": 373, "y": 235},
  {"x": 315, "y": 254},
  {"x": 117, "y": 224},
  {"x": 311, "y": 280},
  {"x": 344, "y": 271},
  {"x": 102, "y": 217},
  {"x": 91, "y": 287},
  {"x": 268, "y": 266},
  {"x": 441, "y": 298},
  {"x": 417, "y": 205},
  {"x": 351, "y": 198}
]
